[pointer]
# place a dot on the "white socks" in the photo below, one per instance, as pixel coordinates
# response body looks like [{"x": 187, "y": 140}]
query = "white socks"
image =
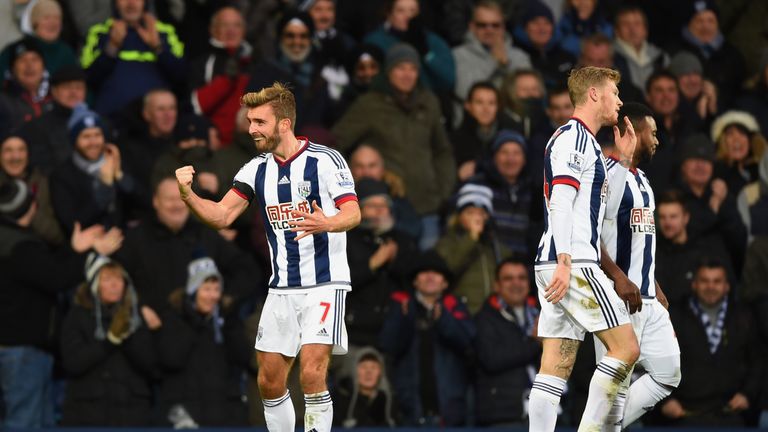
[
  {"x": 279, "y": 414},
  {"x": 613, "y": 421},
  {"x": 543, "y": 402},
  {"x": 607, "y": 379},
  {"x": 318, "y": 416},
  {"x": 643, "y": 395}
]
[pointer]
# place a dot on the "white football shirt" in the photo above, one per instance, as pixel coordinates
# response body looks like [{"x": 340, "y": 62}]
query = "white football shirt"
[
  {"x": 573, "y": 157},
  {"x": 314, "y": 173}
]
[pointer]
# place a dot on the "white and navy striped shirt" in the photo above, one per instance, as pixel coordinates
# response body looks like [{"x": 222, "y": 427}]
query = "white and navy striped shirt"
[
  {"x": 314, "y": 173},
  {"x": 630, "y": 239},
  {"x": 573, "y": 157}
]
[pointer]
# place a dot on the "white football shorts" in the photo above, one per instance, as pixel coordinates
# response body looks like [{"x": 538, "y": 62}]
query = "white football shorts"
[
  {"x": 291, "y": 320},
  {"x": 590, "y": 305}
]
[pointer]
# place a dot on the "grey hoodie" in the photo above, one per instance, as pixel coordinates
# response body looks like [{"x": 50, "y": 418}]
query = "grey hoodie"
[
  {"x": 383, "y": 386},
  {"x": 475, "y": 63},
  {"x": 639, "y": 74}
]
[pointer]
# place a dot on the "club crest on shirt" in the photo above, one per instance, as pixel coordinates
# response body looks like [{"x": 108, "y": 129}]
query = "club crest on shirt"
[
  {"x": 641, "y": 221},
  {"x": 576, "y": 162},
  {"x": 304, "y": 188},
  {"x": 344, "y": 179}
]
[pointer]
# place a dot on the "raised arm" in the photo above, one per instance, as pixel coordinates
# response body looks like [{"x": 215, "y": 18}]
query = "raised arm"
[
  {"x": 625, "y": 144},
  {"x": 217, "y": 215}
]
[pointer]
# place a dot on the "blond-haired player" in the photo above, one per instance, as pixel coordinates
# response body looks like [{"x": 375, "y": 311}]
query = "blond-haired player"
[{"x": 575, "y": 295}]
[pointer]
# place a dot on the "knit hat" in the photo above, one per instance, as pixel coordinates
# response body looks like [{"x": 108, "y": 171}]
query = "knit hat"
[
  {"x": 399, "y": 53},
  {"x": 305, "y": 5},
  {"x": 23, "y": 46},
  {"x": 296, "y": 18},
  {"x": 191, "y": 127},
  {"x": 68, "y": 73},
  {"x": 93, "y": 265},
  {"x": 15, "y": 198},
  {"x": 701, "y": 6},
  {"x": 367, "y": 187},
  {"x": 198, "y": 271},
  {"x": 684, "y": 63},
  {"x": 506, "y": 135},
  {"x": 42, "y": 8},
  {"x": 431, "y": 260},
  {"x": 743, "y": 119},
  {"x": 537, "y": 9},
  {"x": 698, "y": 146},
  {"x": 82, "y": 118},
  {"x": 365, "y": 50},
  {"x": 475, "y": 195}
]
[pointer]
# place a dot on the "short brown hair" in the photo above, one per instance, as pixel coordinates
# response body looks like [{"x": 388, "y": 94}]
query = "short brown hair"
[
  {"x": 580, "y": 80},
  {"x": 489, "y": 4},
  {"x": 672, "y": 196},
  {"x": 278, "y": 96}
]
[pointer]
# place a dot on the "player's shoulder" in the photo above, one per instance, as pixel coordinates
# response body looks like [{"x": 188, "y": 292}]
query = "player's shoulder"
[
  {"x": 256, "y": 161},
  {"x": 571, "y": 136},
  {"x": 327, "y": 155}
]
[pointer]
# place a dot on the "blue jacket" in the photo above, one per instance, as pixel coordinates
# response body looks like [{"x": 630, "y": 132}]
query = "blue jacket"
[
  {"x": 454, "y": 332},
  {"x": 135, "y": 70},
  {"x": 573, "y": 29},
  {"x": 438, "y": 70}
]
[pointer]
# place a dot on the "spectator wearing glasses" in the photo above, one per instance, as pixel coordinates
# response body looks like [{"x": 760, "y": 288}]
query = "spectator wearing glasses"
[
  {"x": 298, "y": 63},
  {"x": 487, "y": 53}
]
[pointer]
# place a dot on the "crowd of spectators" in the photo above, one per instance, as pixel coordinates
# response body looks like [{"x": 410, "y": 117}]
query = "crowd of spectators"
[{"x": 118, "y": 308}]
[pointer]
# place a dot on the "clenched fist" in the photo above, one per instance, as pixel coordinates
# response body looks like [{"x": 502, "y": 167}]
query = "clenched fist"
[{"x": 184, "y": 177}]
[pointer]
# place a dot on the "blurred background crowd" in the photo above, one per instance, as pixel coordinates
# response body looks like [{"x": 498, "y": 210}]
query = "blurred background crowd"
[{"x": 117, "y": 308}]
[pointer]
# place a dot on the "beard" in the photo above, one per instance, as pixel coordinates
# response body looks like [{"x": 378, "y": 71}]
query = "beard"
[
  {"x": 296, "y": 57},
  {"x": 267, "y": 144},
  {"x": 378, "y": 226}
]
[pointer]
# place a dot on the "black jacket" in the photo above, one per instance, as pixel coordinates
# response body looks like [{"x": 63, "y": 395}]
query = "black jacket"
[
  {"x": 724, "y": 67},
  {"x": 676, "y": 263},
  {"x": 198, "y": 373},
  {"x": 47, "y": 138},
  {"x": 368, "y": 301},
  {"x": 32, "y": 277},
  {"x": 108, "y": 384},
  {"x": 726, "y": 223},
  {"x": 139, "y": 153},
  {"x": 468, "y": 145},
  {"x": 78, "y": 197},
  {"x": 157, "y": 260},
  {"x": 504, "y": 352},
  {"x": 710, "y": 380}
]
